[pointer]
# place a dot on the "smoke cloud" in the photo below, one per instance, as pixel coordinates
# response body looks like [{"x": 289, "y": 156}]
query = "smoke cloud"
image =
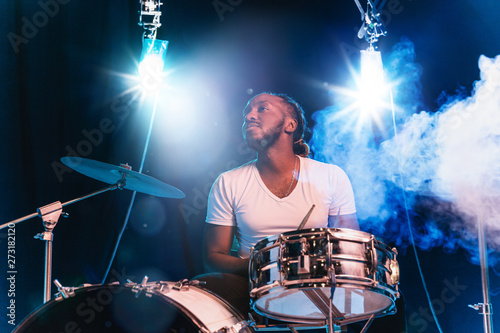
[{"x": 443, "y": 165}]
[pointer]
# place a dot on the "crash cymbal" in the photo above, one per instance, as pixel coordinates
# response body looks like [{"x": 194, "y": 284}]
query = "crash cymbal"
[{"x": 112, "y": 174}]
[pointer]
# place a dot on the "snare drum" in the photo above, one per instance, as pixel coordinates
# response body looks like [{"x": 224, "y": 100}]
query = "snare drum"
[
  {"x": 294, "y": 274},
  {"x": 151, "y": 307}
]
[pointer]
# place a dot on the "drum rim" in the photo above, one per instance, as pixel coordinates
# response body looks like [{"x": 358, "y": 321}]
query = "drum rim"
[
  {"x": 37, "y": 313},
  {"x": 341, "y": 282},
  {"x": 351, "y": 319},
  {"x": 29, "y": 318},
  {"x": 273, "y": 238}
]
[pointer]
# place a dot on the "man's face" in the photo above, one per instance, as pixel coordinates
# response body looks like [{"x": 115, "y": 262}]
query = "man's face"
[{"x": 263, "y": 121}]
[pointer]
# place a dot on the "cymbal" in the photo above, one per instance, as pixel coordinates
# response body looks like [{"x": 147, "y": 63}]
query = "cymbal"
[{"x": 111, "y": 174}]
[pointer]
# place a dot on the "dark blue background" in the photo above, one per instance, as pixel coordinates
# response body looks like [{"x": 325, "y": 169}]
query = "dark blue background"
[{"x": 60, "y": 82}]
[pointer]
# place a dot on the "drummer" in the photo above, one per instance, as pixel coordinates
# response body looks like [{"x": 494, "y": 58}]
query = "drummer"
[
  {"x": 273, "y": 193},
  {"x": 277, "y": 192}
]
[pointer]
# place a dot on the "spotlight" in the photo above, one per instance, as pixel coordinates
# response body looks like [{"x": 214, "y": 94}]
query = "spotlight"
[
  {"x": 152, "y": 62},
  {"x": 373, "y": 90},
  {"x": 153, "y": 50}
]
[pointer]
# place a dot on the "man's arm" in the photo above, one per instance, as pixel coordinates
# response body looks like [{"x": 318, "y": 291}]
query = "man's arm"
[
  {"x": 343, "y": 221},
  {"x": 217, "y": 244}
]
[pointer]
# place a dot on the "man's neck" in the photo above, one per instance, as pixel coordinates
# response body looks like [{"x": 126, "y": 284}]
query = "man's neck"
[{"x": 275, "y": 161}]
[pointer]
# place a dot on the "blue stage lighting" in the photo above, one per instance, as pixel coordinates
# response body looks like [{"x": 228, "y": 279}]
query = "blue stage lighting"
[
  {"x": 372, "y": 87},
  {"x": 152, "y": 61}
]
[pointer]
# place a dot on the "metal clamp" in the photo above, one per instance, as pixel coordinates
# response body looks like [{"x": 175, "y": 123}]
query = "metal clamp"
[
  {"x": 483, "y": 308},
  {"x": 372, "y": 27}
]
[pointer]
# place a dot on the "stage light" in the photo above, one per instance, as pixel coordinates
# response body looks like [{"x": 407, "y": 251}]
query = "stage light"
[
  {"x": 151, "y": 65},
  {"x": 372, "y": 87}
]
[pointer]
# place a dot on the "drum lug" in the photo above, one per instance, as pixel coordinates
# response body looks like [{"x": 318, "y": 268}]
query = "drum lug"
[
  {"x": 238, "y": 327},
  {"x": 182, "y": 284},
  {"x": 373, "y": 258},
  {"x": 150, "y": 289},
  {"x": 304, "y": 245},
  {"x": 162, "y": 287},
  {"x": 64, "y": 292},
  {"x": 138, "y": 288},
  {"x": 304, "y": 262},
  {"x": 185, "y": 283},
  {"x": 394, "y": 271},
  {"x": 304, "y": 265}
]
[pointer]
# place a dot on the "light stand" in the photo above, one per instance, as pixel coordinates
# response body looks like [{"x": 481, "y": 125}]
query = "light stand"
[
  {"x": 150, "y": 70},
  {"x": 485, "y": 308}
]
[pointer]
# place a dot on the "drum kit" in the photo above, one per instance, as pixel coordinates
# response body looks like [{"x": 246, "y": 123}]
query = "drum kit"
[{"x": 320, "y": 278}]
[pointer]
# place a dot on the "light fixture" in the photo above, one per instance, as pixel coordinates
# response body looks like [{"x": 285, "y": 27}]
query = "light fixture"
[
  {"x": 153, "y": 50},
  {"x": 151, "y": 64},
  {"x": 372, "y": 88}
]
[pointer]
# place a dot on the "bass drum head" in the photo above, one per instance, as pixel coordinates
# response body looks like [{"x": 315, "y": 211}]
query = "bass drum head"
[{"x": 115, "y": 308}]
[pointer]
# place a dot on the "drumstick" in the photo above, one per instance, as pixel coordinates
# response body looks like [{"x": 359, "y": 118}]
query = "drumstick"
[{"x": 304, "y": 221}]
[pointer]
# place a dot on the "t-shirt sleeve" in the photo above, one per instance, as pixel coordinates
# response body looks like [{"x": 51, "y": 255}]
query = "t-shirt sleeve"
[
  {"x": 220, "y": 208},
  {"x": 342, "y": 197}
]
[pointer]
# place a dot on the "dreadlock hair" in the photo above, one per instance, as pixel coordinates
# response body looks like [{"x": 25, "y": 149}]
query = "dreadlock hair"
[{"x": 299, "y": 146}]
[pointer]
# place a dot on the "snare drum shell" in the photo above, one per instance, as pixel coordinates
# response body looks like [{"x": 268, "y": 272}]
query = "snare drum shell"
[{"x": 286, "y": 267}]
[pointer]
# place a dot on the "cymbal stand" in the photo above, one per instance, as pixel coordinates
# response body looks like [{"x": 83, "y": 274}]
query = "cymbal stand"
[{"x": 50, "y": 215}]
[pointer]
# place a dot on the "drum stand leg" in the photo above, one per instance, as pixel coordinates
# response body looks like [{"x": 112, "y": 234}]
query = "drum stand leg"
[{"x": 368, "y": 323}]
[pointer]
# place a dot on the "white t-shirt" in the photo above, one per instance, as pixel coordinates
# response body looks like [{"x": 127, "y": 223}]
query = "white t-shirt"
[{"x": 240, "y": 198}]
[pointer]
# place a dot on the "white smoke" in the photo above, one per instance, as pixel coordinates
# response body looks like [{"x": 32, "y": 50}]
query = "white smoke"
[
  {"x": 468, "y": 150},
  {"x": 455, "y": 153},
  {"x": 452, "y": 156}
]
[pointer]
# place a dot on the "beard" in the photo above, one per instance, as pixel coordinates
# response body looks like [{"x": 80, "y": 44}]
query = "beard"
[{"x": 267, "y": 139}]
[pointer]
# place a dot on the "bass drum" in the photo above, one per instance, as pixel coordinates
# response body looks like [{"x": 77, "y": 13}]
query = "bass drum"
[{"x": 151, "y": 307}]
